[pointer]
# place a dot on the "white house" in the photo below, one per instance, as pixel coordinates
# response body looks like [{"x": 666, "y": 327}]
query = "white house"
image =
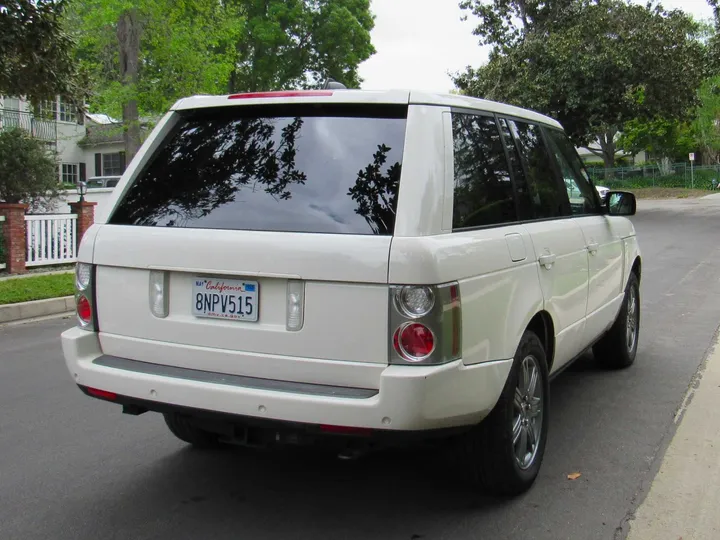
[{"x": 87, "y": 145}]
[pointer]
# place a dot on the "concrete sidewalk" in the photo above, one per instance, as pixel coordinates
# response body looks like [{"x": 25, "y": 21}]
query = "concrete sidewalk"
[
  {"x": 684, "y": 498},
  {"x": 37, "y": 308}
]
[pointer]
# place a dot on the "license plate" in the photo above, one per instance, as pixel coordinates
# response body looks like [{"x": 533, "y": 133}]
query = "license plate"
[{"x": 225, "y": 299}]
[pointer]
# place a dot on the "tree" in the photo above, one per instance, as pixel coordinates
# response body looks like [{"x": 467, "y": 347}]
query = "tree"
[
  {"x": 663, "y": 139},
  {"x": 299, "y": 43},
  {"x": 259, "y": 158},
  {"x": 592, "y": 64},
  {"x": 376, "y": 192},
  {"x": 29, "y": 170},
  {"x": 36, "y": 58},
  {"x": 505, "y": 23},
  {"x": 706, "y": 125},
  {"x": 144, "y": 56}
]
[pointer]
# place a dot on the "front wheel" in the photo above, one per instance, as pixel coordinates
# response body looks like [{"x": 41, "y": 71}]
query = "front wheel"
[
  {"x": 617, "y": 349},
  {"x": 505, "y": 451}
]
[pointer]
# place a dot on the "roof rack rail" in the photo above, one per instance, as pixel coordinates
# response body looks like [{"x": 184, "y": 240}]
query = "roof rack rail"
[{"x": 332, "y": 84}]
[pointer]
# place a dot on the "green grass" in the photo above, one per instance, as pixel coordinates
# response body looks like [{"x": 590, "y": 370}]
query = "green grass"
[
  {"x": 703, "y": 180},
  {"x": 668, "y": 193},
  {"x": 26, "y": 289}
]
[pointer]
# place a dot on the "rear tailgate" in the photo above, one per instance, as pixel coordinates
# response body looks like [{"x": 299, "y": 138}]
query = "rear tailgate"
[
  {"x": 250, "y": 198},
  {"x": 345, "y": 307}
]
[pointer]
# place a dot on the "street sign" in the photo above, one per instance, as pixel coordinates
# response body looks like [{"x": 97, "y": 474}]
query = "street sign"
[{"x": 692, "y": 170}]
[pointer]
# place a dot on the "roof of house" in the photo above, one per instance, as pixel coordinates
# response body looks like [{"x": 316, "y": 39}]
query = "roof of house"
[
  {"x": 102, "y": 134},
  {"x": 101, "y": 119}
]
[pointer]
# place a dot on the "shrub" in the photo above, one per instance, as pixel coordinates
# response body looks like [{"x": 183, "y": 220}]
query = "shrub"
[{"x": 28, "y": 170}]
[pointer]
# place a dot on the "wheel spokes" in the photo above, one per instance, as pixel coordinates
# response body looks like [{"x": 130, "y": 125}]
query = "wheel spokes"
[
  {"x": 533, "y": 382},
  {"x": 631, "y": 320},
  {"x": 517, "y": 428},
  {"x": 527, "y": 412},
  {"x": 523, "y": 450},
  {"x": 525, "y": 376},
  {"x": 535, "y": 408}
]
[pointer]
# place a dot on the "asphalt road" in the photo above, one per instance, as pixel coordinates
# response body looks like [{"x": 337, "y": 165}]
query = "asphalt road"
[{"x": 75, "y": 468}]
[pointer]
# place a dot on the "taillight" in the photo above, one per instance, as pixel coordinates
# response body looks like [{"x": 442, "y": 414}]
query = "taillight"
[
  {"x": 83, "y": 273},
  {"x": 103, "y": 394},
  {"x": 345, "y": 430},
  {"x": 84, "y": 310},
  {"x": 414, "y": 301},
  {"x": 414, "y": 342},
  {"x": 85, "y": 296},
  {"x": 425, "y": 324}
]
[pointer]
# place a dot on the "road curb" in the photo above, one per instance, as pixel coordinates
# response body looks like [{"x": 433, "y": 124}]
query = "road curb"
[{"x": 36, "y": 308}]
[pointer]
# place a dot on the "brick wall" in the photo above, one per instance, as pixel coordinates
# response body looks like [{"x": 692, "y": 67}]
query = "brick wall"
[
  {"x": 85, "y": 211},
  {"x": 13, "y": 231}
]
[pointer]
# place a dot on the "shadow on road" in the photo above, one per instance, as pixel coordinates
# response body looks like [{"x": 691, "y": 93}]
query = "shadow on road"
[{"x": 298, "y": 493}]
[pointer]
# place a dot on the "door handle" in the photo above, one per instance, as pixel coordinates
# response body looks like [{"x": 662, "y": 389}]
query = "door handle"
[
  {"x": 547, "y": 260},
  {"x": 592, "y": 247}
]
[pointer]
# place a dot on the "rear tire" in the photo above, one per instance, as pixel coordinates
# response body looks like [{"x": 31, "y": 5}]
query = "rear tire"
[
  {"x": 618, "y": 347},
  {"x": 183, "y": 429},
  {"x": 505, "y": 451}
]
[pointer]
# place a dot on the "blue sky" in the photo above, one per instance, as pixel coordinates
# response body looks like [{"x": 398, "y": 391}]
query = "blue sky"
[{"x": 419, "y": 41}]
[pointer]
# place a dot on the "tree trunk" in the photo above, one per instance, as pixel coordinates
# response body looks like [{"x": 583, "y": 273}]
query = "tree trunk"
[
  {"x": 128, "y": 35},
  {"x": 232, "y": 85},
  {"x": 608, "y": 148},
  {"x": 665, "y": 166}
]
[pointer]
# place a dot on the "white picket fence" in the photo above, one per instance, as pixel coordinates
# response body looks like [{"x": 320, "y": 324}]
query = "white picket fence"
[
  {"x": 51, "y": 239},
  {"x": 2, "y": 263}
]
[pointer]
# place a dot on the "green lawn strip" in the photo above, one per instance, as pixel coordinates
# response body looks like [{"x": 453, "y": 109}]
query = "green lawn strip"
[
  {"x": 26, "y": 289},
  {"x": 669, "y": 193}
]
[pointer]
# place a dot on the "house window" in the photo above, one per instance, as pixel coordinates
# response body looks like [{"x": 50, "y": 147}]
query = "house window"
[
  {"x": 68, "y": 112},
  {"x": 112, "y": 164},
  {"x": 69, "y": 173},
  {"x": 12, "y": 104},
  {"x": 48, "y": 110}
]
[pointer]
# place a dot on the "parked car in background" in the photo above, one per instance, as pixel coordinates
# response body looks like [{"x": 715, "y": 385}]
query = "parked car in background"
[
  {"x": 357, "y": 269},
  {"x": 103, "y": 181},
  {"x": 602, "y": 193}
]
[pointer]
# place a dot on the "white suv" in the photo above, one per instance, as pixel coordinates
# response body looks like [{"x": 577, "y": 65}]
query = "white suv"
[{"x": 355, "y": 268}]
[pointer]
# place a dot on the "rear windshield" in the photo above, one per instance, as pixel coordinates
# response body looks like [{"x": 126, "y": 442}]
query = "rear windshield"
[{"x": 316, "y": 169}]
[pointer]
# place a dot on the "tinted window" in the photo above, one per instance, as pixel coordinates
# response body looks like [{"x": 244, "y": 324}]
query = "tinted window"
[
  {"x": 547, "y": 196},
  {"x": 309, "y": 171},
  {"x": 579, "y": 189},
  {"x": 523, "y": 199},
  {"x": 483, "y": 187}
]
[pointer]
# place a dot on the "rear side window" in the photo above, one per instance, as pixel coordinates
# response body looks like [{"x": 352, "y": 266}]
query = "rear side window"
[
  {"x": 311, "y": 169},
  {"x": 483, "y": 193},
  {"x": 548, "y": 197},
  {"x": 523, "y": 199}
]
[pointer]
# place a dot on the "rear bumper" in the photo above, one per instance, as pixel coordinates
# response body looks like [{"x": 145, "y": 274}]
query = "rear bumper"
[{"x": 409, "y": 398}]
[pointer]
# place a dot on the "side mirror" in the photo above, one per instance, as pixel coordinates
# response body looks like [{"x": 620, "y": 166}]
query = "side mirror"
[{"x": 620, "y": 203}]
